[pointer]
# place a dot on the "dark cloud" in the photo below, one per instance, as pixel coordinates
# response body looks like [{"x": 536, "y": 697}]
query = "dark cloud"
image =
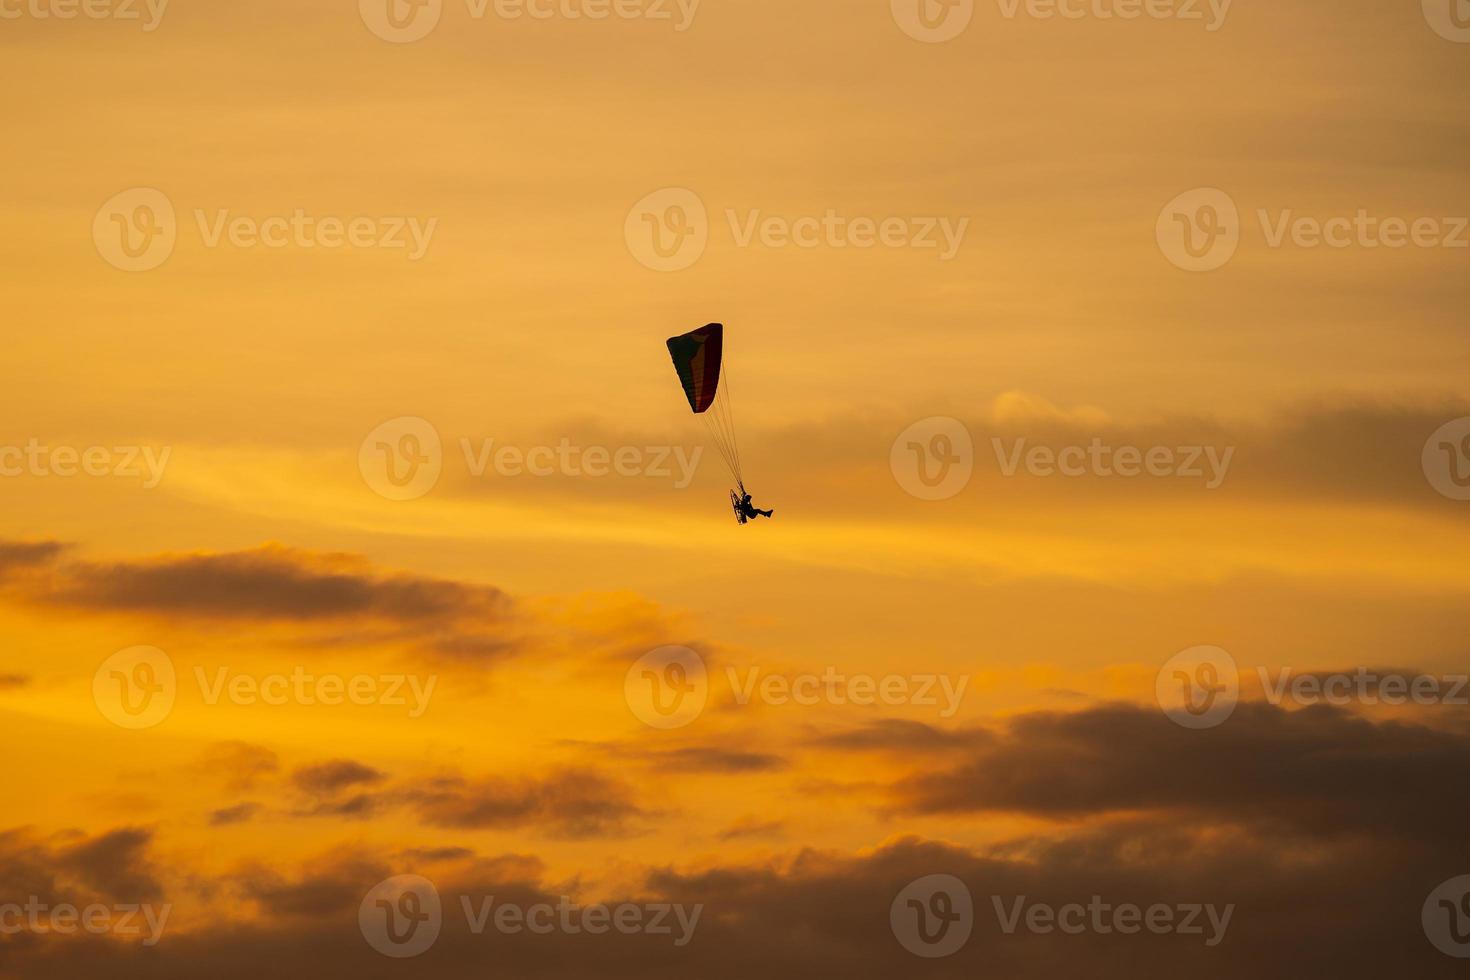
[
  {"x": 271, "y": 582},
  {"x": 240, "y": 813},
  {"x": 1347, "y": 910},
  {"x": 752, "y": 828},
  {"x": 335, "y": 775},
  {"x": 27, "y": 554},
  {"x": 74, "y": 867},
  {"x": 334, "y": 600},
  {"x": 705, "y": 758},
  {"x": 336, "y": 789},
  {"x": 691, "y": 758},
  {"x": 239, "y": 765},
  {"x": 903, "y": 735},
  {"x": 573, "y": 803},
  {"x": 1318, "y": 769}
]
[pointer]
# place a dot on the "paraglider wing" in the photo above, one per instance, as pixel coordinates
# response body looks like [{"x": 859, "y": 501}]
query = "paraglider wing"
[{"x": 697, "y": 356}]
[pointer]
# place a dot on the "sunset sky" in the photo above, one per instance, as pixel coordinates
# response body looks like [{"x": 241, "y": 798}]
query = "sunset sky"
[{"x": 249, "y": 248}]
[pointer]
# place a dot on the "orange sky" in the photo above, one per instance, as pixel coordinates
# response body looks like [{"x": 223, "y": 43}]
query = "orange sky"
[{"x": 350, "y": 229}]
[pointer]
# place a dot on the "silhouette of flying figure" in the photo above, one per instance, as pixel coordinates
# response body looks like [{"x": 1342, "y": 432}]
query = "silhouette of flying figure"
[{"x": 749, "y": 511}]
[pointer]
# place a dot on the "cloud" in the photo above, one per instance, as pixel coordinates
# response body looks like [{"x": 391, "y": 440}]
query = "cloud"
[
  {"x": 28, "y": 554},
  {"x": 271, "y": 582},
  {"x": 240, "y": 765},
  {"x": 572, "y": 803},
  {"x": 113, "y": 866},
  {"x": 695, "y": 758},
  {"x": 1348, "y": 909},
  {"x": 330, "y": 777},
  {"x": 903, "y": 735},
  {"x": 227, "y": 816},
  {"x": 749, "y": 827},
  {"x": 1320, "y": 770},
  {"x": 333, "y": 599}
]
